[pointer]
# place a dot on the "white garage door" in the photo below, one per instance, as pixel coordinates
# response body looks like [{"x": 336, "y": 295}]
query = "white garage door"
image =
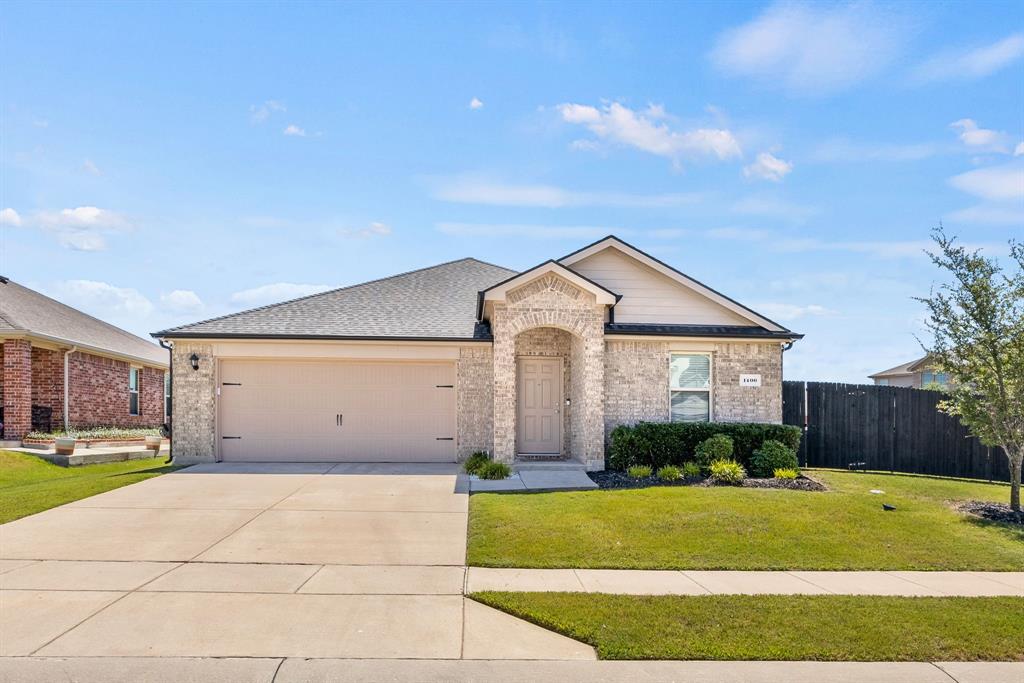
[{"x": 306, "y": 411}]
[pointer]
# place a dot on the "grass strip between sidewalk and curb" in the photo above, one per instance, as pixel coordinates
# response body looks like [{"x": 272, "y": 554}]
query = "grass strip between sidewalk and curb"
[
  {"x": 777, "y": 627},
  {"x": 724, "y": 527},
  {"x": 29, "y": 484}
]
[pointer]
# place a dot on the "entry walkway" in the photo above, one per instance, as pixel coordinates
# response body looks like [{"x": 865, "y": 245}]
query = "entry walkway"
[{"x": 647, "y": 582}]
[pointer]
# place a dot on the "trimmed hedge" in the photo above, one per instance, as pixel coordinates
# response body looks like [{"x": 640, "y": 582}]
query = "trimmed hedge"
[{"x": 672, "y": 443}]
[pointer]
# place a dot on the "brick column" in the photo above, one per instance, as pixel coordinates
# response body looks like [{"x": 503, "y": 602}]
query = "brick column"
[
  {"x": 17, "y": 388},
  {"x": 504, "y": 352}
]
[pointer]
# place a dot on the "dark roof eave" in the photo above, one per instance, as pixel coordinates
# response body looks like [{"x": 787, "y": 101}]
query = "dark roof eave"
[
  {"x": 306, "y": 337},
  {"x": 698, "y": 331}
]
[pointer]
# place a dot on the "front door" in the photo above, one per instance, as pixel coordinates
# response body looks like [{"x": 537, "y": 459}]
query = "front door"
[{"x": 540, "y": 406}]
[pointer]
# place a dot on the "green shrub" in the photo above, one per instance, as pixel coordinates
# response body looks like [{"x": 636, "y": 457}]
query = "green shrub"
[
  {"x": 669, "y": 473},
  {"x": 475, "y": 462},
  {"x": 727, "y": 472},
  {"x": 639, "y": 471},
  {"x": 772, "y": 455},
  {"x": 494, "y": 470},
  {"x": 673, "y": 443},
  {"x": 691, "y": 469},
  {"x": 786, "y": 473},
  {"x": 718, "y": 447}
]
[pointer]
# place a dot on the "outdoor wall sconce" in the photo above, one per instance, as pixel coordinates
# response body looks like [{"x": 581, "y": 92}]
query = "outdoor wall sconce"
[
  {"x": 194, "y": 359},
  {"x": 568, "y": 402}
]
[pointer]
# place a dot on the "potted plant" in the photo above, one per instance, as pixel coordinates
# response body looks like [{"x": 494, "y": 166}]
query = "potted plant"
[
  {"x": 65, "y": 445},
  {"x": 153, "y": 443}
]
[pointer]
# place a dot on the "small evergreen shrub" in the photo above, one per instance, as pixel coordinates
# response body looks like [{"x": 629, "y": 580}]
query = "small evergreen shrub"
[
  {"x": 673, "y": 443},
  {"x": 475, "y": 462},
  {"x": 669, "y": 473},
  {"x": 639, "y": 471},
  {"x": 772, "y": 455},
  {"x": 786, "y": 473},
  {"x": 718, "y": 447},
  {"x": 691, "y": 469},
  {"x": 727, "y": 472},
  {"x": 494, "y": 470}
]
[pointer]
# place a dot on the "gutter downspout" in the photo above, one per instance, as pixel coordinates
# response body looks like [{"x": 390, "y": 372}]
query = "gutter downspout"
[
  {"x": 67, "y": 390},
  {"x": 170, "y": 381}
]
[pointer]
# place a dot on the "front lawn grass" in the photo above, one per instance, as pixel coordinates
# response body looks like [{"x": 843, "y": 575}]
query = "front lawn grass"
[
  {"x": 744, "y": 528},
  {"x": 778, "y": 627},
  {"x": 29, "y": 484}
]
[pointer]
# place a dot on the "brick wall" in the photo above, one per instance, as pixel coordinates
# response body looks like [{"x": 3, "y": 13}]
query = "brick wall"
[
  {"x": 99, "y": 393},
  {"x": 635, "y": 383},
  {"x": 733, "y": 403},
  {"x": 17, "y": 372},
  {"x": 194, "y": 404},
  {"x": 475, "y": 400},
  {"x": 48, "y": 383}
]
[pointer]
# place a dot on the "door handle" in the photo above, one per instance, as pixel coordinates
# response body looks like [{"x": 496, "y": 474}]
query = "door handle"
[{"x": 339, "y": 419}]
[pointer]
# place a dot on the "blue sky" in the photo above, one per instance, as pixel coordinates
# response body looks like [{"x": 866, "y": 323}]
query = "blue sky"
[{"x": 164, "y": 163}]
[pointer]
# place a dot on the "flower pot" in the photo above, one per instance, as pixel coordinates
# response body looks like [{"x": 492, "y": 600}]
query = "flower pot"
[
  {"x": 153, "y": 443},
  {"x": 65, "y": 445}
]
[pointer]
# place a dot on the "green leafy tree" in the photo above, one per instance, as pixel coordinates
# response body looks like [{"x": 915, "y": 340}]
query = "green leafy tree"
[{"x": 977, "y": 324}]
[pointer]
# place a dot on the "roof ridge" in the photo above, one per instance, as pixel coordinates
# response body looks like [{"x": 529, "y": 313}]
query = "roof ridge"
[
  {"x": 329, "y": 291},
  {"x": 111, "y": 326}
]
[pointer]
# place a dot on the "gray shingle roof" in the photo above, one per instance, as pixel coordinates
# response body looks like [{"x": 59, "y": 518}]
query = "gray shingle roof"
[
  {"x": 27, "y": 311},
  {"x": 433, "y": 303}
]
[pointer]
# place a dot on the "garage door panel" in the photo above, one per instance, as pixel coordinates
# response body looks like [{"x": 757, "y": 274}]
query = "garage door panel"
[{"x": 288, "y": 410}]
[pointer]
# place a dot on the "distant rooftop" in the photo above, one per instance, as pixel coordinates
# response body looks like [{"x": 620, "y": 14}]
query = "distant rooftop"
[{"x": 26, "y": 311}]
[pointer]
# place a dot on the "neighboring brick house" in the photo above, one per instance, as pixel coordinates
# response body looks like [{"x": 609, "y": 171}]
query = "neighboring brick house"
[
  {"x": 434, "y": 364},
  {"x": 52, "y": 353}
]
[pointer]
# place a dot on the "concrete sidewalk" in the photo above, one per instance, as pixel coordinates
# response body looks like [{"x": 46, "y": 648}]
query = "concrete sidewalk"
[
  {"x": 655, "y": 582},
  {"x": 276, "y": 670}
]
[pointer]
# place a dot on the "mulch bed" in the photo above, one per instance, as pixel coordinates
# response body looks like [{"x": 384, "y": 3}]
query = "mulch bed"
[
  {"x": 994, "y": 512},
  {"x": 609, "y": 479}
]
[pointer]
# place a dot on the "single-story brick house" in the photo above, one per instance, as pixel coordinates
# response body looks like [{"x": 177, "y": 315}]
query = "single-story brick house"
[
  {"x": 62, "y": 367},
  {"x": 434, "y": 364}
]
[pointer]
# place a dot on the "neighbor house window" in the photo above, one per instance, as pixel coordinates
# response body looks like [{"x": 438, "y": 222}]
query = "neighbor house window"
[
  {"x": 928, "y": 377},
  {"x": 167, "y": 397},
  {"x": 133, "y": 391},
  {"x": 690, "y": 387},
  {"x": 883, "y": 382}
]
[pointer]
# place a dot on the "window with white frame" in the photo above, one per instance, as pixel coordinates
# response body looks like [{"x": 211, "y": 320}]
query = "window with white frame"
[
  {"x": 133, "y": 391},
  {"x": 167, "y": 397},
  {"x": 689, "y": 387}
]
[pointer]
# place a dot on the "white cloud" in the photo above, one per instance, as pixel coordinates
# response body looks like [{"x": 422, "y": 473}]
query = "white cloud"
[
  {"x": 89, "y": 167},
  {"x": 768, "y": 167},
  {"x": 775, "y": 242},
  {"x": 276, "y": 292},
  {"x": 811, "y": 49},
  {"x": 83, "y": 228},
  {"x": 741, "y": 234},
  {"x": 981, "y": 138},
  {"x": 470, "y": 190},
  {"x": 972, "y": 62},
  {"x": 989, "y": 214},
  {"x": 646, "y": 130},
  {"x": 181, "y": 301},
  {"x": 783, "y": 311},
  {"x": 994, "y": 183},
  {"x": 259, "y": 113},
  {"x": 292, "y": 129},
  {"x": 375, "y": 229},
  {"x": 1019, "y": 149},
  {"x": 475, "y": 103},
  {"x": 843, "y": 150},
  {"x": 9, "y": 216},
  {"x": 102, "y": 299}
]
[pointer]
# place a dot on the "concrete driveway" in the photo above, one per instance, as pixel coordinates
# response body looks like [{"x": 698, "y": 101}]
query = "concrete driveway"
[{"x": 261, "y": 561}]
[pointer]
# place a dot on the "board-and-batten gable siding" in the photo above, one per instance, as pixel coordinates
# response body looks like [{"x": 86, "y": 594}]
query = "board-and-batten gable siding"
[{"x": 649, "y": 296}]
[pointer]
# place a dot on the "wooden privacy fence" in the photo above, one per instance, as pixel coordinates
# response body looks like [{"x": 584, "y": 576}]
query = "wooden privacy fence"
[{"x": 896, "y": 429}]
